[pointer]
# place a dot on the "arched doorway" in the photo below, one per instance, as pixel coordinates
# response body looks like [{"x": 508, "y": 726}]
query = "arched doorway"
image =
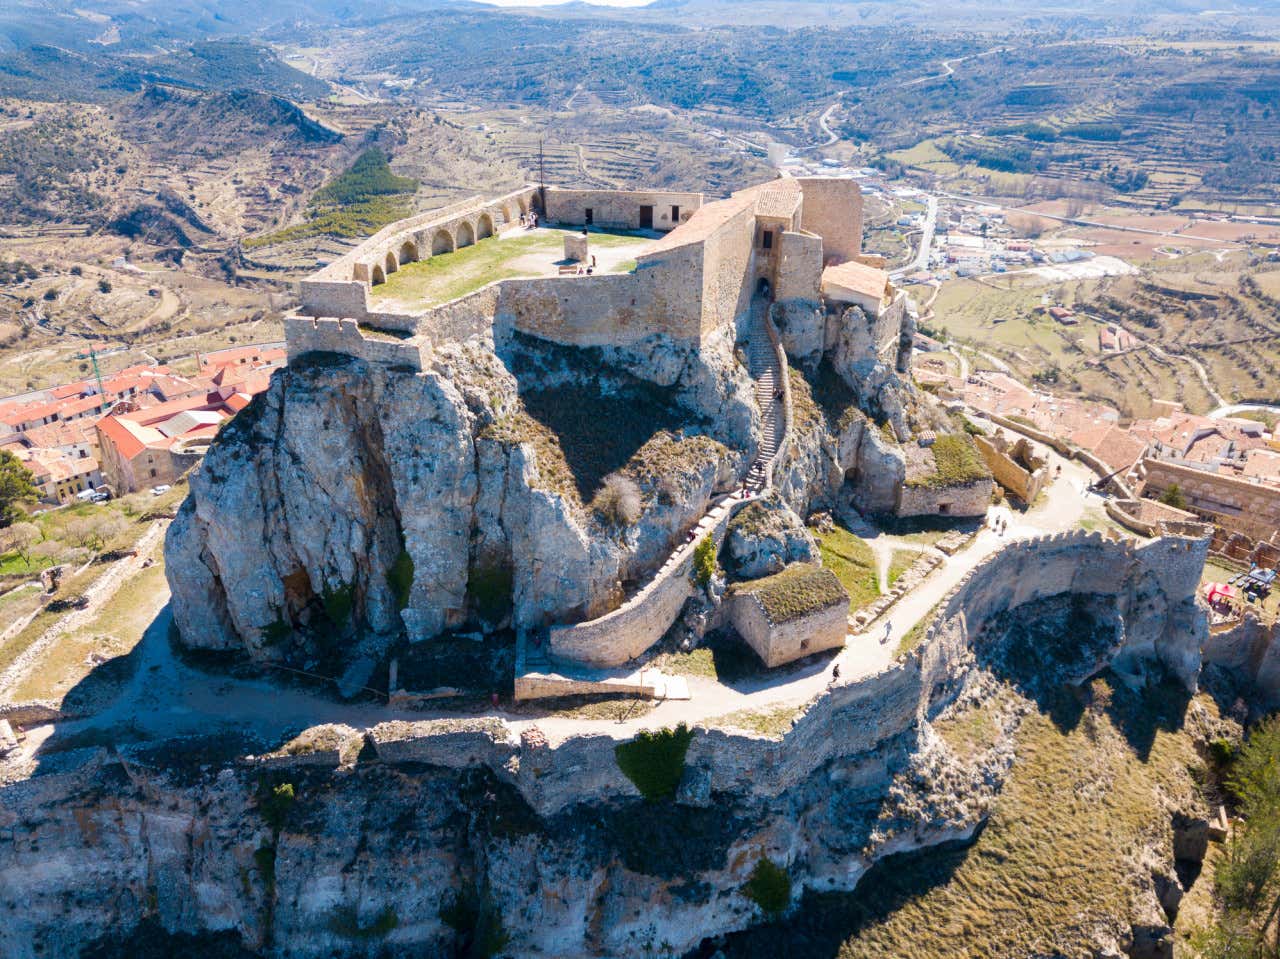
[
  {"x": 442, "y": 242},
  {"x": 392, "y": 265},
  {"x": 408, "y": 252},
  {"x": 378, "y": 275},
  {"x": 484, "y": 226},
  {"x": 466, "y": 235}
]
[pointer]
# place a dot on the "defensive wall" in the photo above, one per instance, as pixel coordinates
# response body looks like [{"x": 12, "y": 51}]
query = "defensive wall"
[
  {"x": 623, "y": 634},
  {"x": 1249, "y": 650},
  {"x": 1061, "y": 446},
  {"x": 869, "y": 717},
  {"x": 690, "y": 282},
  {"x": 834, "y": 213},
  {"x": 621, "y": 209},
  {"x": 1233, "y": 503}
]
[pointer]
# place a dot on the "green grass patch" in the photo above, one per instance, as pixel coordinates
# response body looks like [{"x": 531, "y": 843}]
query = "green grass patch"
[
  {"x": 851, "y": 559},
  {"x": 654, "y": 761},
  {"x": 956, "y": 461},
  {"x": 901, "y": 561}
]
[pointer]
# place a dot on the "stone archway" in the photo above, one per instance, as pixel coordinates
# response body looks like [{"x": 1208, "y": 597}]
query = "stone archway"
[
  {"x": 442, "y": 242},
  {"x": 378, "y": 276},
  {"x": 510, "y": 212},
  {"x": 466, "y": 234},
  {"x": 524, "y": 206},
  {"x": 408, "y": 252},
  {"x": 484, "y": 226},
  {"x": 392, "y": 265}
]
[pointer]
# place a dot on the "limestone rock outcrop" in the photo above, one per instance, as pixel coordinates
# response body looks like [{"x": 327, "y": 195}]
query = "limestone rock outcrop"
[
  {"x": 354, "y": 502},
  {"x": 765, "y": 537}
]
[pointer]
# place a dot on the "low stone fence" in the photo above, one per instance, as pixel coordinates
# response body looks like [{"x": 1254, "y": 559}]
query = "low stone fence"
[
  {"x": 1144, "y": 516},
  {"x": 34, "y": 712}
]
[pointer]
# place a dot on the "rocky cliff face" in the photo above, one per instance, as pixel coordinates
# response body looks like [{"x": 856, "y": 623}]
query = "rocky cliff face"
[{"x": 353, "y": 501}]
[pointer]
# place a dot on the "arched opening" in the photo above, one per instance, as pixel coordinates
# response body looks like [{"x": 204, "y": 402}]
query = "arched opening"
[
  {"x": 408, "y": 252},
  {"x": 466, "y": 235},
  {"x": 762, "y": 287},
  {"x": 442, "y": 242},
  {"x": 484, "y": 226},
  {"x": 378, "y": 275},
  {"x": 392, "y": 265}
]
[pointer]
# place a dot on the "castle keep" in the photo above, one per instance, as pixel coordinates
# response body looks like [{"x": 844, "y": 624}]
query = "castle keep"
[{"x": 795, "y": 241}]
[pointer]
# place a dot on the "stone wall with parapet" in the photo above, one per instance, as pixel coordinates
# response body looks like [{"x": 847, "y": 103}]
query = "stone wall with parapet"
[
  {"x": 728, "y": 271},
  {"x": 618, "y": 209},
  {"x": 850, "y": 719},
  {"x": 833, "y": 210},
  {"x": 307, "y": 334},
  {"x": 626, "y": 632},
  {"x": 663, "y": 295}
]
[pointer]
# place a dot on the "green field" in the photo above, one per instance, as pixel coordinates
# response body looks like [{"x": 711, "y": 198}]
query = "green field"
[{"x": 447, "y": 276}]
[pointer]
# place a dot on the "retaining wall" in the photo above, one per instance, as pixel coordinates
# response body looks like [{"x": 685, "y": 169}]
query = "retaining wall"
[{"x": 622, "y": 635}]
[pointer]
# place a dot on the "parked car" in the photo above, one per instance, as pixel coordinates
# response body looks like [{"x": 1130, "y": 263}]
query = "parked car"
[
  {"x": 162, "y": 488},
  {"x": 99, "y": 496}
]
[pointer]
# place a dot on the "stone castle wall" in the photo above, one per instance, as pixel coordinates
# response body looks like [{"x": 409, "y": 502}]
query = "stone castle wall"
[
  {"x": 857, "y": 718},
  {"x": 728, "y": 270},
  {"x": 608, "y": 309},
  {"x": 833, "y": 210},
  {"x": 306, "y": 334},
  {"x": 619, "y": 209},
  {"x": 964, "y": 499},
  {"x": 632, "y": 628},
  {"x": 1250, "y": 652}
]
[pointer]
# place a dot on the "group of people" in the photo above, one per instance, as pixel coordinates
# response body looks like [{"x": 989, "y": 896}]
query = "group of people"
[{"x": 529, "y": 220}]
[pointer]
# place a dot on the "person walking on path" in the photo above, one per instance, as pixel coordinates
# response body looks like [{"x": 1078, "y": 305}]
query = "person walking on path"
[
  {"x": 888, "y": 630},
  {"x": 835, "y": 672}
]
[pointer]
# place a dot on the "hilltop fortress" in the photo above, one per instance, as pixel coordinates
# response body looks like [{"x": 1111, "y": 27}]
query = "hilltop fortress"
[
  {"x": 798, "y": 241},
  {"x": 444, "y": 449}
]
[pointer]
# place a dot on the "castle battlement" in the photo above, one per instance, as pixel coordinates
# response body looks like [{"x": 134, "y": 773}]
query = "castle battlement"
[{"x": 696, "y": 277}]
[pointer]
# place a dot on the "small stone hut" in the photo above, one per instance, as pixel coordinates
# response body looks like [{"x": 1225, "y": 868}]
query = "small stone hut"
[{"x": 792, "y": 614}]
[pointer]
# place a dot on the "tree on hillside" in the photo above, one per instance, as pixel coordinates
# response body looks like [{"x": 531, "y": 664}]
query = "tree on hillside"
[
  {"x": 1247, "y": 879},
  {"x": 19, "y": 538},
  {"x": 17, "y": 486}
]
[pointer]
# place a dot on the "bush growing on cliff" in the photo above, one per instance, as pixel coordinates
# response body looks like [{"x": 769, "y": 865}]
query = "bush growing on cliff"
[
  {"x": 769, "y": 887},
  {"x": 400, "y": 578},
  {"x": 654, "y": 761},
  {"x": 618, "y": 502},
  {"x": 475, "y": 919},
  {"x": 704, "y": 561},
  {"x": 274, "y": 802},
  {"x": 345, "y": 921},
  {"x": 338, "y": 604}
]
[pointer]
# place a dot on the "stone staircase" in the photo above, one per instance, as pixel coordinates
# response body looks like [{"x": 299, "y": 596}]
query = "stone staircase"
[{"x": 762, "y": 363}]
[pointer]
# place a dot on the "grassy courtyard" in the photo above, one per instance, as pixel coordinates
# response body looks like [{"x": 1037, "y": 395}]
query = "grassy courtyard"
[{"x": 447, "y": 276}]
